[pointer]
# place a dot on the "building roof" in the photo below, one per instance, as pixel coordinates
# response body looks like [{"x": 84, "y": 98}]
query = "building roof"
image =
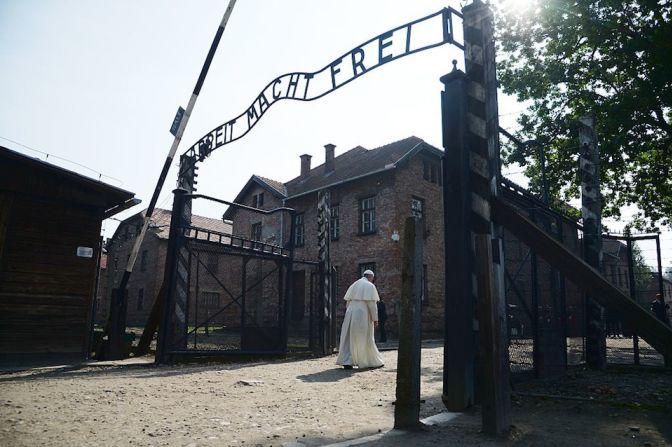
[
  {"x": 111, "y": 197},
  {"x": 614, "y": 248},
  {"x": 159, "y": 224},
  {"x": 357, "y": 163},
  {"x": 274, "y": 185}
]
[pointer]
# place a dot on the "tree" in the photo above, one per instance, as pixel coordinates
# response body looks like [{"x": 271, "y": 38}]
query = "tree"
[
  {"x": 668, "y": 273},
  {"x": 644, "y": 278},
  {"x": 609, "y": 58}
]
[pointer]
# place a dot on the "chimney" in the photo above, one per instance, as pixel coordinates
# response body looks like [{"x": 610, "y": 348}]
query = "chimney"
[
  {"x": 329, "y": 150},
  {"x": 305, "y": 165}
]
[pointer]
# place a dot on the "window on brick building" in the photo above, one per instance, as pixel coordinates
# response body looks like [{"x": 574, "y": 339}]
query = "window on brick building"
[
  {"x": 431, "y": 171},
  {"x": 258, "y": 200},
  {"x": 417, "y": 207},
  {"x": 210, "y": 299},
  {"x": 299, "y": 230},
  {"x": 256, "y": 234},
  {"x": 256, "y": 231},
  {"x": 367, "y": 266},
  {"x": 335, "y": 223},
  {"x": 367, "y": 215},
  {"x": 418, "y": 210},
  {"x": 143, "y": 261},
  {"x": 141, "y": 299},
  {"x": 212, "y": 262}
]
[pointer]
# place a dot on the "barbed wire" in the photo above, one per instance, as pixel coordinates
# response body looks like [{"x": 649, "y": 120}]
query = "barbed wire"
[{"x": 100, "y": 174}]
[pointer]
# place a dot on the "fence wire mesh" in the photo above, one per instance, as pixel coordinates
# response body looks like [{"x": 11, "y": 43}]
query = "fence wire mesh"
[
  {"x": 631, "y": 264},
  {"x": 547, "y": 313}
]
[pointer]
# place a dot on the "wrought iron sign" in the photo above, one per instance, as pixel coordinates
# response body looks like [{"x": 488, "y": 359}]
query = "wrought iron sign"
[{"x": 301, "y": 86}]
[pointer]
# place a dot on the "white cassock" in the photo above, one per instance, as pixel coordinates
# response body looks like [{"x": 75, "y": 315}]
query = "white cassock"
[{"x": 358, "y": 347}]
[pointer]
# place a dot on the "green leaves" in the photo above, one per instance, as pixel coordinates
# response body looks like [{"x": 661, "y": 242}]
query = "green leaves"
[{"x": 609, "y": 58}]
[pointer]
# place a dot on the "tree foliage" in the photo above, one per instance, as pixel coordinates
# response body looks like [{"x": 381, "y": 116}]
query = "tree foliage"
[
  {"x": 608, "y": 58},
  {"x": 642, "y": 272}
]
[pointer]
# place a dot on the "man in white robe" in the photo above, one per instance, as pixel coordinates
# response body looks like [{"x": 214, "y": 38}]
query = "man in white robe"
[{"x": 358, "y": 347}]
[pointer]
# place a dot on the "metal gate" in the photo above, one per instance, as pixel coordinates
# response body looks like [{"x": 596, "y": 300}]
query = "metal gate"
[
  {"x": 545, "y": 311},
  {"x": 633, "y": 264},
  {"x": 230, "y": 294}
]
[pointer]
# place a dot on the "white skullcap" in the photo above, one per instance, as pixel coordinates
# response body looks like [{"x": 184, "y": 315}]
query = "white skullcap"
[{"x": 367, "y": 272}]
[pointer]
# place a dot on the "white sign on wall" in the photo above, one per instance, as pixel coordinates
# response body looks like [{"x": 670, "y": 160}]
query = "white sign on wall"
[{"x": 85, "y": 252}]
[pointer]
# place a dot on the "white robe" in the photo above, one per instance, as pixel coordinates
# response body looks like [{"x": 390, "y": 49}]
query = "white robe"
[{"x": 358, "y": 347}]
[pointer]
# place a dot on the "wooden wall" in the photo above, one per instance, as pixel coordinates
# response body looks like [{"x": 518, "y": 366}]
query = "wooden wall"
[{"x": 45, "y": 288}]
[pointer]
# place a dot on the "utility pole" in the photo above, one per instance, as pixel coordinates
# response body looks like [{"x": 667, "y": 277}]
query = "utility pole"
[{"x": 179, "y": 125}]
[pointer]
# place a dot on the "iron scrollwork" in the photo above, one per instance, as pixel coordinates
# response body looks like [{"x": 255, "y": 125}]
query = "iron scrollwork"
[{"x": 401, "y": 41}]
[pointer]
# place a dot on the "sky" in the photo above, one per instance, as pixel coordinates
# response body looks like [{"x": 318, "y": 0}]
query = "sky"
[{"x": 98, "y": 84}]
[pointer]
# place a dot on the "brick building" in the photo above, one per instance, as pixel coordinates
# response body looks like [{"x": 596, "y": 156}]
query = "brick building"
[
  {"x": 372, "y": 193},
  {"x": 647, "y": 280},
  {"x": 147, "y": 277},
  {"x": 615, "y": 264}
]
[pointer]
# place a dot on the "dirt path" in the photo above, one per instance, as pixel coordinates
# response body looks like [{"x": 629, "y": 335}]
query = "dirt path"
[{"x": 312, "y": 402}]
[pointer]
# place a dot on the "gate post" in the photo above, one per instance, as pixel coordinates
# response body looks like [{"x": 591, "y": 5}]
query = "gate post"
[
  {"x": 407, "y": 407},
  {"x": 173, "y": 322},
  {"x": 483, "y": 158},
  {"x": 591, "y": 212},
  {"x": 459, "y": 350},
  {"x": 633, "y": 295},
  {"x": 323, "y": 236},
  {"x": 117, "y": 325}
]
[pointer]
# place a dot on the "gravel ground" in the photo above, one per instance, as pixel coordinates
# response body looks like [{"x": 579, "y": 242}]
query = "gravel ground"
[{"x": 312, "y": 402}]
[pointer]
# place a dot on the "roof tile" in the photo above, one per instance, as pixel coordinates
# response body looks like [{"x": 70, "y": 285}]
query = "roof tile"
[{"x": 355, "y": 163}]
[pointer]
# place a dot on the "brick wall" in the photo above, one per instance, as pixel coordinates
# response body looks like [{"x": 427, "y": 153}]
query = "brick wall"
[
  {"x": 411, "y": 183},
  {"x": 147, "y": 279},
  {"x": 393, "y": 191},
  {"x": 270, "y": 224}
]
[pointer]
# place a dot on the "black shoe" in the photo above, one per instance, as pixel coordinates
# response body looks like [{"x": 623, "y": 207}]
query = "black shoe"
[{"x": 347, "y": 366}]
